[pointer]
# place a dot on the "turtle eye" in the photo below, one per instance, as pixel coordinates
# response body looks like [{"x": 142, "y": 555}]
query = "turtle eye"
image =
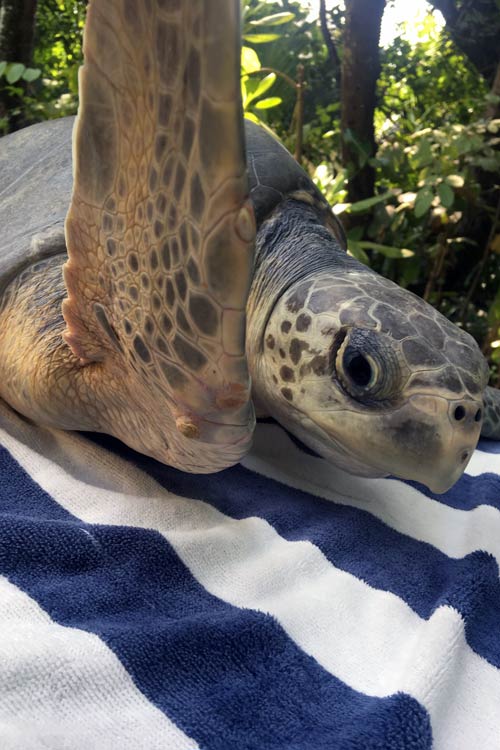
[
  {"x": 357, "y": 367},
  {"x": 364, "y": 367}
]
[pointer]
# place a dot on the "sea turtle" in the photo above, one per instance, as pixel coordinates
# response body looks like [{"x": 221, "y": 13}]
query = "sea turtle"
[{"x": 140, "y": 332}]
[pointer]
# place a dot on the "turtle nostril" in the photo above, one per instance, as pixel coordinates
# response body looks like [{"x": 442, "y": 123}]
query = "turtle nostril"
[
  {"x": 459, "y": 413},
  {"x": 478, "y": 415},
  {"x": 464, "y": 456}
]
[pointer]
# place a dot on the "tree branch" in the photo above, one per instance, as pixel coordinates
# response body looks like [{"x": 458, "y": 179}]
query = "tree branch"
[{"x": 333, "y": 55}]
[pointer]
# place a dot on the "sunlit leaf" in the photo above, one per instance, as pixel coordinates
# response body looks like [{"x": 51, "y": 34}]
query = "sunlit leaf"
[
  {"x": 275, "y": 19},
  {"x": 249, "y": 60},
  {"x": 260, "y": 38},
  {"x": 271, "y": 101},
  {"x": 360, "y": 206},
  {"x": 263, "y": 85},
  {"x": 14, "y": 72},
  {"x": 387, "y": 250}
]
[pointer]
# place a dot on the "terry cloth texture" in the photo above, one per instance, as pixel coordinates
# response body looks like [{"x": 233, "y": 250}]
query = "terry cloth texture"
[{"x": 278, "y": 605}]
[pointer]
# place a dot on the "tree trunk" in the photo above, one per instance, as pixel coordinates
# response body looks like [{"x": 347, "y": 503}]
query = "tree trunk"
[
  {"x": 360, "y": 71},
  {"x": 17, "y": 31},
  {"x": 474, "y": 26}
]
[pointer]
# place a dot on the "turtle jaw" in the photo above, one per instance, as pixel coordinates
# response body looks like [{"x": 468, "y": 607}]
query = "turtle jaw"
[{"x": 422, "y": 440}]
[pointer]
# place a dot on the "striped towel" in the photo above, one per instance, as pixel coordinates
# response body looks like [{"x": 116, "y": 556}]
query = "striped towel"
[{"x": 278, "y": 605}]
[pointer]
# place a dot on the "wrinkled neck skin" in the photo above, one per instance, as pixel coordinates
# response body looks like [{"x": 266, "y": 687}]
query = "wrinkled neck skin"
[
  {"x": 293, "y": 230},
  {"x": 363, "y": 372}
]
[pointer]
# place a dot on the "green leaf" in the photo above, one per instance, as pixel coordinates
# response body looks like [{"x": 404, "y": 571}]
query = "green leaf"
[
  {"x": 264, "y": 85},
  {"x": 423, "y": 201},
  {"x": 272, "y": 101},
  {"x": 251, "y": 116},
  {"x": 260, "y": 38},
  {"x": 446, "y": 195},
  {"x": 360, "y": 206},
  {"x": 249, "y": 60},
  {"x": 3, "y": 66},
  {"x": 14, "y": 72},
  {"x": 31, "y": 74},
  {"x": 387, "y": 250},
  {"x": 357, "y": 252},
  {"x": 275, "y": 19}
]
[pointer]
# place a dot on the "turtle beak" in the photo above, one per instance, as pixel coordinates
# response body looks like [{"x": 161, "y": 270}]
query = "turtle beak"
[{"x": 457, "y": 429}]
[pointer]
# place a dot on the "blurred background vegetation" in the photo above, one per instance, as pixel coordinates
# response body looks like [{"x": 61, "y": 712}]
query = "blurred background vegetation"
[{"x": 402, "y": 136}]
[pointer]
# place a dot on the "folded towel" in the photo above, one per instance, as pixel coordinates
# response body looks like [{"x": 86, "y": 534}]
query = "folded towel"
[{"x": 279, "y": 605}]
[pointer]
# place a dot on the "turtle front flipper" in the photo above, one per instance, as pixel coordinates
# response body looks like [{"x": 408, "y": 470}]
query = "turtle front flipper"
[{"x": 159, "y": 231}]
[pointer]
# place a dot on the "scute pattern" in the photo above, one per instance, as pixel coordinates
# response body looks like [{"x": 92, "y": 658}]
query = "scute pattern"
[
  {"x": 158, "y": 272},
  {"x": 433, "y": 353}
]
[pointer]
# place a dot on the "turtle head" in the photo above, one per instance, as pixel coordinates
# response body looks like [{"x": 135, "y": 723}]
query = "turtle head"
[{"x": 372, "y": 378}]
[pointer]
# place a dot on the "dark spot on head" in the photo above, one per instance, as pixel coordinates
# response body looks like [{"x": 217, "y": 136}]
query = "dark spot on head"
[
  {"x": 275, "y": 379},
  {"x": 149, "y": 211},
  {"x": 319, "y": 364},
  {"x": 285, "y": 326},
  {"x": 155, "y": 301},
  {"x": 303, "y": 322},
  {"x": 133, "y": 293},
  {"x": 282, "y": 353},
  {"x": 158, "y": 229},
  {"x": 106, "y": 326},
  {"x": 270, "y": 342},
  {"x": 287, "y": 374},
  {"x": 127, "y": 326},
  {"x": 149, "y": 325},
  {"x": 297, "y": 299},
  {"x": 144, "y": 281},
  {"x": 110, "y": 246},
  {"x": 287, "y": 393},
  {"x": 296, "y": 348},
  {"x": 141, "y": 349}
]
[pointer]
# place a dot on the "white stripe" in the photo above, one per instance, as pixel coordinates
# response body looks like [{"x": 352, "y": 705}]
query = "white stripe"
[
  {"x": 483, "y": 463},
  {"x": 455, "y": 532},
  {"x": 64, "y": 689},
  {"x": 370, "y": 639}
]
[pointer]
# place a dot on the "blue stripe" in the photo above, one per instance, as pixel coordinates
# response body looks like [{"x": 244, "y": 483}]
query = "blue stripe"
[
  {"x": 229, "y": 678},
  {"x": 489, "y": 446},
  {"x": 468, "y": 493},
  {"x": 358, "y": 542}
]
